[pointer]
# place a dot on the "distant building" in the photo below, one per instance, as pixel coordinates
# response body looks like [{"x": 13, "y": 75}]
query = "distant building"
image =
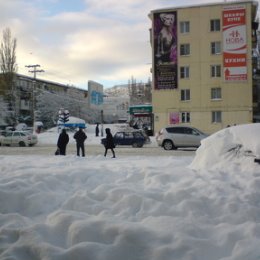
[
  {"x": 203, "y": 66},
  {"x": 25, "y": 90}
]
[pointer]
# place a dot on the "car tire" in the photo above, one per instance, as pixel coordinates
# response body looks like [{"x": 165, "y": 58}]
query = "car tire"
[
  {"x": 22, "y": 144},
  {"x": 168, "y": 145},
  {"x": 140, "y": 145},
  {"x": 135, "y": 145}
]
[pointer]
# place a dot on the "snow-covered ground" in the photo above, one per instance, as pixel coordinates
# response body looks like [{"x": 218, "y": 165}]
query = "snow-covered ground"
[{"x": 205, "y": 207}]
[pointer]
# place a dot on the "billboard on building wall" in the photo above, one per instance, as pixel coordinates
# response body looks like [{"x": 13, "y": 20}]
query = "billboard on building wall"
[
  {"x": 234, "y": 43},
  {"x": 165, "y": 50}
]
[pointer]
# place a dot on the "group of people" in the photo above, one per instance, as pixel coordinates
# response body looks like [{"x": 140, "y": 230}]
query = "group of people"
[{"x": 80, "y": 137}]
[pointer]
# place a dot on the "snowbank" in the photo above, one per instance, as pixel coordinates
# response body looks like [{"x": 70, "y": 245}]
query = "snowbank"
[
  {"x": 228, "y": 145},
  {"x": 134, "y": 208}
]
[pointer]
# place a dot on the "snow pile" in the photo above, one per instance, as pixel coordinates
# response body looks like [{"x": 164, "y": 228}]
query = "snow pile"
[
  {"x": 51, "y": 136},
  {"x": 134, "y": 208},
  {"x": 233, "y": 144}
]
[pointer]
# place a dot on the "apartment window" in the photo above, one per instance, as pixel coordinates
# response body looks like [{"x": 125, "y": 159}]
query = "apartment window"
[
  {"x": 216, "y": 116},
  {"x": 185, "y": 117},
  {"x": 215, "y": 25},
  {"x": 185, "y": 72},
  {"x": 215, "y": 71},
  {"x": 216, "y": 93},
  {"x": 185, "y": 94},
  {"x": 215, "y": 48},
  {"x": 185, "y": 27},
  {"x": 185, "y": 49}
]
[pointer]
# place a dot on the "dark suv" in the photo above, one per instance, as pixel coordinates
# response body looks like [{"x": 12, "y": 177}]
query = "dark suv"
[
  {"x": 135, "y": 138},
  {"x": 173, "y": 137}
]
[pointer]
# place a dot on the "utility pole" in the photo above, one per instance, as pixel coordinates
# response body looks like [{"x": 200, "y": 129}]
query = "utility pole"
[{"x": 34, "y": 71}]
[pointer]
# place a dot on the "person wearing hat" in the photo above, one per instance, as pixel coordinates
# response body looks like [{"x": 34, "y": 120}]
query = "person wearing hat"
[
  {"x": 62, "y": 142},
  {"x": 80, "y": 138}
]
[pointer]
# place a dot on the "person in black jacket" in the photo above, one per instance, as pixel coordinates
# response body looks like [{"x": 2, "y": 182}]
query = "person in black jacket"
[
  {"x": 63, "y": 140},
  {"x": 109, "y": 144},
  {"x": 80, "y": 138},
  {"x": 97, "y": 129}
]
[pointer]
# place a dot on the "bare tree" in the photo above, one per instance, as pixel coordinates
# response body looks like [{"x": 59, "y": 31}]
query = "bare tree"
[
  {"x": 8, "y": 68},
  {"x": 8, "y": 53},
  {"x": 139, "y": 93}
]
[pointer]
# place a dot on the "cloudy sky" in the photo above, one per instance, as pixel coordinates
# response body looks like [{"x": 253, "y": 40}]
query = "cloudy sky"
[{"x": 75, "y": 41}]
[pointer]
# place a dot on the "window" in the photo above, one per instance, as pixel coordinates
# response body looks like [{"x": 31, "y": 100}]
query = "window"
[
  {"x": 119, "y": 135},
  {"x": 185, "y": 27},
  {"x": 128, "y": 135},
  {"x": 185, "y": 117},
  {"x": 175, "y": 130},
  {"x": 215, "y": 25},
  {"x": 216, "y": 117},
  {"x": 215, "y": 48},
  {"x": 185, "y": 72},
  {"x": 215, "y": 71},
  {"x": 185, "y": 94},
  {"x": 216, "y": 93},
  {"x": 185, "y": 49}
]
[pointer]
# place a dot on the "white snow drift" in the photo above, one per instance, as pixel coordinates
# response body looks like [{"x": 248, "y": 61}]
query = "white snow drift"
[{"x": 147, "y": 208}]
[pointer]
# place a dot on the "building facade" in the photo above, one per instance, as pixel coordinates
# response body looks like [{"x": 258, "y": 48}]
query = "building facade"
[
  {"x": 26, "y": 92},
  {"x": 202, "y": 64}
]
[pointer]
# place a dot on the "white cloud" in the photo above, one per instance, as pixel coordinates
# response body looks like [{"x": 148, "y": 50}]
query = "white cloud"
[{"x": 101, "y": 40}]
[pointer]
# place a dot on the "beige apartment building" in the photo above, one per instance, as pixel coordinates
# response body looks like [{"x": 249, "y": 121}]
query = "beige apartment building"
[{"x": 202, "y": 64}]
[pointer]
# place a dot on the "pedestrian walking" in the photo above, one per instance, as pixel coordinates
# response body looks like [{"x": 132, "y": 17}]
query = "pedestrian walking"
[
  {"x": 63, "y": 140},
  {"x": 80, "y": 138},
  {"x": 109, "y": 144},
  {"x": 97, "y": 129}
]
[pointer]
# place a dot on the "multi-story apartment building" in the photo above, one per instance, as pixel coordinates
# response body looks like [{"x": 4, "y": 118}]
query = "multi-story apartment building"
[
  {"x": 202, "y": 64},
  {"x": 25, "y": 92}
]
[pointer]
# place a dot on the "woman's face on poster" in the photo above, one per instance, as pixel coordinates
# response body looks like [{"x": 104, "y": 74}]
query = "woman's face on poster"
[{"x": 167, "y": 19}]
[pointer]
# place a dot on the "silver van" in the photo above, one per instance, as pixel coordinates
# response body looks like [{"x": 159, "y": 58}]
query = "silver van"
[{"x": 173, "y": 137}]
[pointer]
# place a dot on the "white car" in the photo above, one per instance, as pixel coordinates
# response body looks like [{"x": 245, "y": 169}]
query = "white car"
[
  {"x": 172, "y": 137},
  {"x": 20, "y": 138}
]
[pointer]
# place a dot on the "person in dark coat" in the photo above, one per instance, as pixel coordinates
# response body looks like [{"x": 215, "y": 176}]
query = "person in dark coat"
[
  {"x": 97, "y": 129},
  {"x": 80, "y": 138},
  {"x": 63, "y": 140},
  {"x": 109, "y": 144}
]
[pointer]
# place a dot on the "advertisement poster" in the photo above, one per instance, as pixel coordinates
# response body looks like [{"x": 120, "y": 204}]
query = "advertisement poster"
[
  {"x": 234, "y": 43},
  {"x": 165, "y": 50},
  {"x": 174, "y": 118}
]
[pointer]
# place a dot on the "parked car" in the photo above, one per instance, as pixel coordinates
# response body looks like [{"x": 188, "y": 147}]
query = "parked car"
[
  {"x": 20, "y": 138},
  {"x": 2, "y": 135},
  {"x": 173, "y": 137},
  {"x": 135, "y": 138}
]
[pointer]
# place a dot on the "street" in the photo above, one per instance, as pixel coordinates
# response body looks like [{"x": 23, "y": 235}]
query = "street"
[{"x": 94, "y": 150}]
